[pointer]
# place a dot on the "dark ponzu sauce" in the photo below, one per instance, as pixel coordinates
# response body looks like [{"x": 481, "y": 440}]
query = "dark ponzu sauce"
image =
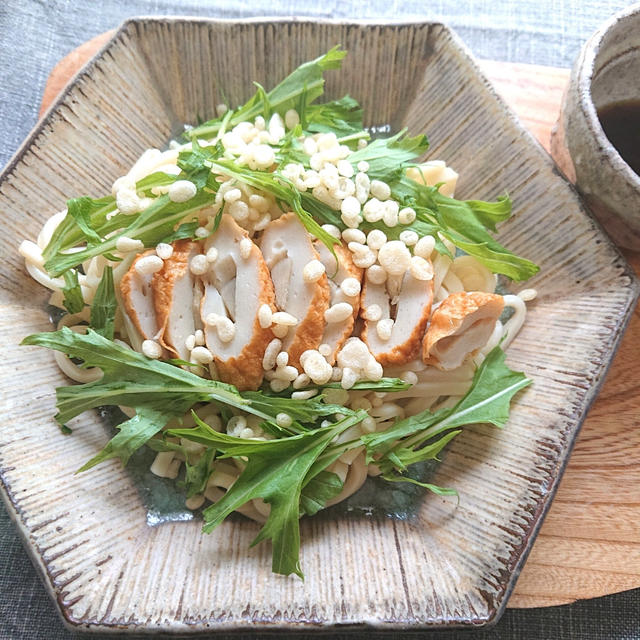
[{"x": 621, "y": 123}]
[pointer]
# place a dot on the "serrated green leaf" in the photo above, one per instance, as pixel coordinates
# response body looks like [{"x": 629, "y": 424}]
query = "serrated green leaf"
[
  {"x": 383, "y": 441},
  {"x": 487, "y": 401},
  {"x": 342, "y": 117},
  {"x": 387, "y": 157},
  {"x": 80, "y": 209},
  {"x": 276, "y": 472},
  {"x": 197, "y": 475},
  {"x": 132, "y": 380},
  {"x": 306, "y": 81},
  {"x": 402, "y": 457},
  {"x": 488, "y": 213},
  {"x": 155, "y": 179},
  {"x": 464, "y": 223},
  {"x": 300, "y": 410},
  {"x": 495, "y": 257},
  {"x": 280, "y": 187},
  {"x": 73, "y": 301},
  {"x": 150, "y": 226},
  {"x": 132, "y": 434},
  {"x": 184, "y": 231},
  {"x": 318, "y": 491},
  {"x": 69, "y": 233},
  {"x": 195, "y": 164},
  {"x": 96, "y": 224},
  {"x": 383, "y": 385},
  {"x": 90, "y": 220},
  {"x": 434, "y": 488},
  {"x": 104, "y": 305}
]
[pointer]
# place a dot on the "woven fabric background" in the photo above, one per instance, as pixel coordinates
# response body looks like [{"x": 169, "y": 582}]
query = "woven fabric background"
[{"x": 35, "y": 34}]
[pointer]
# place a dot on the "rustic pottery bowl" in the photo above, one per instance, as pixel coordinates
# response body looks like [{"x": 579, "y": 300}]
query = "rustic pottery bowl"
[
  {"x": 115, "y": 550},
  {"x": 606, "y": 72}
]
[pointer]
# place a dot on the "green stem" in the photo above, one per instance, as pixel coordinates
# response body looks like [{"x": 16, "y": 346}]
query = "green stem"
[{"x": 361, "y": 135}]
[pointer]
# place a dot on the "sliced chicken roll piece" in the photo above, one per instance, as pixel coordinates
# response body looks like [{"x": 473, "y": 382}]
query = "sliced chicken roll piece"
[
  {"x": 396, "y": 337},
  {"x": 137, "y": 297},
  {"x": 287, "y": 248},
  {"x": 173, "y": 293},
  {"x": 459, "y": 327},
  {"x": 235, "y": 288},
  {"x": 336, "y": 333}
]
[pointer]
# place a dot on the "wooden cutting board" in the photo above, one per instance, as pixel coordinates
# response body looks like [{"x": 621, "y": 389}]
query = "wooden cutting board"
[{"x": 589, "y": 545}]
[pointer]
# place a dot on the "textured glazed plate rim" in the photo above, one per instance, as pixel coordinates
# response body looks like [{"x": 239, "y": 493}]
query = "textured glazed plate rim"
[{"x": 543, "y": 504}]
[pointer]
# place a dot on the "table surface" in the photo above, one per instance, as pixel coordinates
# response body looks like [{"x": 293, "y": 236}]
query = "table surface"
[{"x": 34, "y": 35}]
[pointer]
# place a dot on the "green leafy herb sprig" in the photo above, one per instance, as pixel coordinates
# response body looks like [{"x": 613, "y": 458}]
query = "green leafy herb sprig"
[
  {"x": 290, "y": 471},
  {"x": 95, "y": 225}
]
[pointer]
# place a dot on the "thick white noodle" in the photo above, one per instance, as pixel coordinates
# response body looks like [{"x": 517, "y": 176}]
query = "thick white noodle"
[
  {"x": 73, "y": 371},
  {"x": 213, "y": 494},
  {"x": 249, "y": 510},
  {"x": 128, "y": 411},
  {"x": 441, "y": 266},
  {"x": 31, "y": 253},
  {"x": 71, "y": 319},
  {"x": 341, "y": 469},
  {"x": 473, "y": 275},
  {"x": 513, "y": 325},
  {"x": 49, "y": 228},
  {"x": 349, "y": 456},
  {"x": 161, "y": 463},
  {"x": 493, "y": 341},
  {"x": 419, "y": 404},
  {"x": 447, "y": 403},
  {"x": 151, "y": 160},
  {"x": 433, "y": 389},
  {"x": 261, "y": 507},
  {"x": 452, "y": 283},
  {"x": 67, "y": 366},
  {"x": 39, "y": 275},
  {"x": 56, "y": 299},
  {"x": 355, "y": 479}
]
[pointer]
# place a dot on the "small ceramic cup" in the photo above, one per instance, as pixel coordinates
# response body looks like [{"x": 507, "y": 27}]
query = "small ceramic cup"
[{"x": 607, "y": 71}]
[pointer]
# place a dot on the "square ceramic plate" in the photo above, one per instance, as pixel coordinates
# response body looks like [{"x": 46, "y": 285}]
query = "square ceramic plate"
[{"x": 439, "y": 565}]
